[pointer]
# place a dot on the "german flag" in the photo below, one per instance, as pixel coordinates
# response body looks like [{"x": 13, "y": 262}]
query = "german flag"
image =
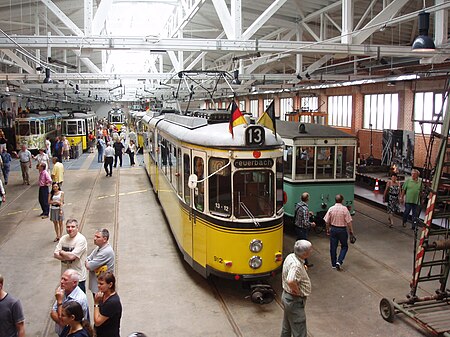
[
  {"x": 236, "y": 117},
  {"x": 267, "y": 119}
]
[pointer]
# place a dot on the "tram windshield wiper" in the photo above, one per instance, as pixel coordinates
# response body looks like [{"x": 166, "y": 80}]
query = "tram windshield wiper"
[{"x": 247, "y": 211}]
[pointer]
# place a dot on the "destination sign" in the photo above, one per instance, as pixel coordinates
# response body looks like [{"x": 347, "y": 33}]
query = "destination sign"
[{"x": 245, "y": 163}]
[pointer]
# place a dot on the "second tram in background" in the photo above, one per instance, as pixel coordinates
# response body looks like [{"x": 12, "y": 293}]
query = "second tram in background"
[
  {"x": 116, "y": 117},
  {"x": 77, "y": 125},
  {"x": 32, "y": 129},
  {"x": 320, "y": 160},
  {"x": 222, "y": 195}
]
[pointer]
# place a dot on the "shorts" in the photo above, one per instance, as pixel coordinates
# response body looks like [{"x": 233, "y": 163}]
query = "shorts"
[{"x": 55, "y": 216}]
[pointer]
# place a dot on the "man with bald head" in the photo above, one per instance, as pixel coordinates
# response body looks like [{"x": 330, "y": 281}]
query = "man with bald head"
[
  {"x": 68, "y": 290},
  {"x": 12, "y": 321},
  {"x": 296, "y": 289}
]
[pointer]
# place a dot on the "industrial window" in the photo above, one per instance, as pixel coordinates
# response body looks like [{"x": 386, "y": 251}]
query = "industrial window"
[
  {"x": 427, "y": 107},
  {"x": 254, "y": 107},
  {"x": 340, "y": 111},
  {"x": 266, "y": 103},
  {"x": 286, "y": 105},
  {"x": 310, "y": 104},
  {"x": 242, "y": 105},
  {"x": 381, "y": 111}
]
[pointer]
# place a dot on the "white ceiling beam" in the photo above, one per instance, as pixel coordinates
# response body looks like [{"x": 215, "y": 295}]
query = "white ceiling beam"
[
  {"x": 236, "y": 18},
  {"x": 262, "y": 19},
  {"x": 187, "y": 44},
  {"x": 173, "y": 58},
  {"x": 86, "y": 61},
  {"x": 440, "y": 25},
  {"x": 334, "y": 22},
  {"x": 181, "y": 23},
  {"x": 326, "y": 9},
  {"x": 225, "y": 18},
  {"x": 347, "y": 21},
  {"x": 366, "y": 14},
  {"x": 18, "y": 61},
  {"x": 310, "y": 31},
  {"x": 100, "y": 16},
  {"x": 63, "y": 17},
  {"x": 379, "y": 20},
  {"x": 88, "y": 17}
]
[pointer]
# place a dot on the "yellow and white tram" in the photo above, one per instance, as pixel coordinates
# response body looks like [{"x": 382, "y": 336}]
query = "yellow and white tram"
[
  {"x": 34, "y": 128},
  {"x": 76, "y": 127},
  {"x": 222, "y": 195},
  {"x": 116, "y": 117}
]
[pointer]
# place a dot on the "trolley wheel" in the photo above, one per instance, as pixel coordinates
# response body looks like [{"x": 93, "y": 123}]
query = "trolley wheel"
[{"x": 387, "y": 310}]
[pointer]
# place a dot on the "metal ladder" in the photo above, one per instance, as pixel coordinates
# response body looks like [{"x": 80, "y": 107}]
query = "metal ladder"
[{"x": 432, "y": 250}]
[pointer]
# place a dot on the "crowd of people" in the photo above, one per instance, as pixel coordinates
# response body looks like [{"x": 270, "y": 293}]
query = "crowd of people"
[{"x": 70, "y": 311}]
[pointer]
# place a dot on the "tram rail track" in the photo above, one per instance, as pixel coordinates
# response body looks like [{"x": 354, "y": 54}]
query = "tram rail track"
[{"x": 49, "y": 323}]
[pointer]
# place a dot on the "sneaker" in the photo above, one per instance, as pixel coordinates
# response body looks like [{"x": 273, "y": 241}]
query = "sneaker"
[
  {"x": 333, "y": 267},
  {"x": 404, "y": 224},
  {"x": 338, "y": 266}
]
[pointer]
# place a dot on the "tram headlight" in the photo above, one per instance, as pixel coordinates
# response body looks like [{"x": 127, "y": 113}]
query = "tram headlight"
[
  {"x": 256, "y": 246},
  {"x": 255, "y": 262}
]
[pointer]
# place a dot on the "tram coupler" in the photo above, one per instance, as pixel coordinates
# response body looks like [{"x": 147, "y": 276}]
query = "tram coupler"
[{"x": 261, "y": 293}]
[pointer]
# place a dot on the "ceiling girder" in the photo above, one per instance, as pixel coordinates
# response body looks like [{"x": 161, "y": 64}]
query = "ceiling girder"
[{"x": 218, "y": 45}]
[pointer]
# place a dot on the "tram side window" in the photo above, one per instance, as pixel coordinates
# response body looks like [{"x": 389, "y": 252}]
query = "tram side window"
[
  {"x": 34, "y": 128},
  {"x": 345, "y": 162},
  {"x": 253, "y": 194},
  {"x": 304, "y": 162},
  {"x": 187, "y": 173},
  {"x": 199, "y": 192},
  {"x": 325, "y": 162},
  {"x": 219, "y": 187},
  {"x": 80, "y": 128},
  {"x": 279, "y": 183},
  {"x": 172, "y": 164},
  {"x": 163, "y": 154},
  {"x": 178, "y": 174},
  {"x": 288, "y": 162}
]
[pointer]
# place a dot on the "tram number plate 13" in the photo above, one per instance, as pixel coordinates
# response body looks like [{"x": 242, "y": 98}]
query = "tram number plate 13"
[{"x": 255, "y": 135}]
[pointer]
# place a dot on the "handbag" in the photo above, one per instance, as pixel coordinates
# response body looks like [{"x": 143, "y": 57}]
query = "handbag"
[{"x": 352, "y": 238}]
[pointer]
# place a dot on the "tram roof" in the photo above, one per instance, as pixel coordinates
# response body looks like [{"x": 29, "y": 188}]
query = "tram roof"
[
  {"x": 197, "y": 130},
  {"x": 39, "y": 115},
  {"x": 290, "y": 130}
]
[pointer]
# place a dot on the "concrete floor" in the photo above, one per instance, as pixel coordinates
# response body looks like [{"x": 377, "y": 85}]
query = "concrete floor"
[{"x": 162, "y": 296}]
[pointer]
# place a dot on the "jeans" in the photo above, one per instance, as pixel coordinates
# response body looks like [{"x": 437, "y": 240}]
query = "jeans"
[
  {"x": 294, "y": 319},
  {"x": 408, "y": 208},
  {"x": 43, "y": 199},
  {"x": 100, "y": 156},
  {"x": 338, "y": 235}
]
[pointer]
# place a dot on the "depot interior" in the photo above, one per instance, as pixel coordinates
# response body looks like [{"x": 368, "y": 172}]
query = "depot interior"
[{"x": 362, "y": 66}]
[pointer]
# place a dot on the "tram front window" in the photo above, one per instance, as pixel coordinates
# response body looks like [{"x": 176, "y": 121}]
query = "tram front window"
[
  {"x": 253, "y": 194},
  {"x": 23, "y": 129},
  {"x": 304, "y": 164},
  {"x": 325, "y": 162},
  {"x": 71, "y": 128}
]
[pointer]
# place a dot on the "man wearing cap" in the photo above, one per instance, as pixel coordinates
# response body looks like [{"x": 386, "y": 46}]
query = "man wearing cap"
[{"x": 296, "y": 289}]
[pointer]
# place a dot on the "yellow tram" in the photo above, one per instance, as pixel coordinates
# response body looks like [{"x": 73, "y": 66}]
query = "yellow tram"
[
  {"x": 76, "y": 127},
  {"x": 116, "y": 117},
  {"x": 222, "y": 195}
]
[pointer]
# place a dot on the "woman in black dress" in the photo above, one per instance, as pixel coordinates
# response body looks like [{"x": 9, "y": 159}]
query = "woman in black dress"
[{"x": 107, "y": 307}]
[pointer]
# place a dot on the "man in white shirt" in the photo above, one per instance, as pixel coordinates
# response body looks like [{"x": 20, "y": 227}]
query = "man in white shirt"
[{"x": 25, "y": 163}]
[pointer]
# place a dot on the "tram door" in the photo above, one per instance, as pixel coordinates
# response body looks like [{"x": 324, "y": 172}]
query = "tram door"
[{"x": 198, "y": 197}]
